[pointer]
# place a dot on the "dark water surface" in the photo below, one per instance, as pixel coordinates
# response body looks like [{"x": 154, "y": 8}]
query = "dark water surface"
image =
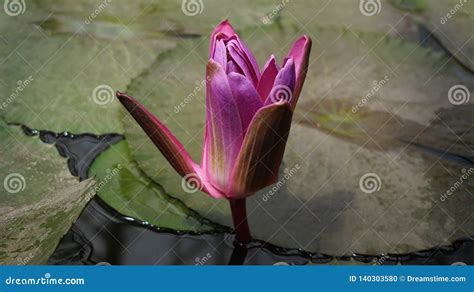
[{"x": 102, "y": 236}]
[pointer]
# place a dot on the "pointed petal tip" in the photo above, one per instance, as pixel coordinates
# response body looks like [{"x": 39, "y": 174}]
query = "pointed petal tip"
[
  {"x": 289, "y": 61},
  {"x": 224, "y": 21},
  {"x": 300, "y": 52},
  {"x": 127, "y": 101},
  {"x": 308, "y": 42},
  {"x": 301, "y": 45},
  {"x": 160, "y": 135},
  {"x": 272, "y": 59},
  {"x": 306, "y": 38},
  {"x": 121, "y": 95},
  {"x": 269, "y": 72},
  {"x": 224, "y": 27}
]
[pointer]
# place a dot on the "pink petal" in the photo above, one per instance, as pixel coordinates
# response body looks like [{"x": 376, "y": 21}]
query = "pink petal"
[
  {"x": 222, "y": 28},
  {"x": 300, "y": 54},
  {"x": 168, "y": 145},
  {"x": 232, "y": 67},
  {"x": 224, "y": 133},
  {"x": 242, "y": 61},
  {"x": 246, "y": 96},
  {"x": 205, "y": 184},
  {"x": 262, "y": 151},
  {"x": 220, "y": 54},
  {"x": 160, "y": 135},
  {"x": 265, "y": 84},
  {"x": 250, "y": 58},
  {"x": 284, "y": 85}
]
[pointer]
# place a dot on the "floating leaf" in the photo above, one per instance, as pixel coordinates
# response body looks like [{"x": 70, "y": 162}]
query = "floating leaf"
[
  {"x": 410, "y": 5},
  {"x": 318, "y": 204},
  {"x": 183, "y": 19},
  {"x": 375, "y": 16},
  {"x": 124, "y": 187},
  {"x": 450, "y": 21},
  {"x": 39, "y": 198},
  {"x": 66, "y": 80}
]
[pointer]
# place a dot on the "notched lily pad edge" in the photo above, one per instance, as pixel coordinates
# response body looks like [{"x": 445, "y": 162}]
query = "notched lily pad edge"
[
  {"x": 217, "y": 228},
  {"x": 49, "y": 137},
  {"x": 313, "y": 258}
]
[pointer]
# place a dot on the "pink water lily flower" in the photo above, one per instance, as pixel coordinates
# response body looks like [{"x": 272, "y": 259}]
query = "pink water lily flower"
[{"x": 248, "y": 118}]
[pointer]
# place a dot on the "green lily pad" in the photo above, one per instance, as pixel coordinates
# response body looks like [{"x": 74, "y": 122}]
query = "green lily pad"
[
  {"x": 319, "y": 205},
  {"x": 124, "y": 187},
  {"x": 410, "y": 5},
  {"x": 182, "y": 19},
  {"x": 66, "y": 80},
  {"x": 451, "y": 22},
  {"x": 374, "y": 16},
  {"x": 39, "y": 199}
]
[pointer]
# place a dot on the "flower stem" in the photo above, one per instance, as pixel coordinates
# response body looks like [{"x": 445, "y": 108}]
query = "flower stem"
[{"x": 239, "y": 216}]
